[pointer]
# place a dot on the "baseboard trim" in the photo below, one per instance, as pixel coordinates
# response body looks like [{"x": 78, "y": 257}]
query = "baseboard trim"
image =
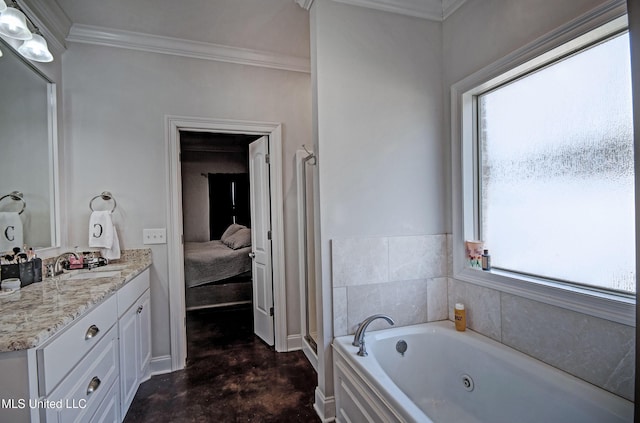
[
  {"x": 160, "y": 365},
  {"x": 294, "y": 342},
  {"x": 325, "y": 406}
]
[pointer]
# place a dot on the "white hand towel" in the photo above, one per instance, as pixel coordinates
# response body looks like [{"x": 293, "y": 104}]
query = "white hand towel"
[
  {"x": 11, "y": 234},
  {"x": 103, "y": 235},
  {"x": 101, "y": 229},
  {"x": 112, "y": 253}
]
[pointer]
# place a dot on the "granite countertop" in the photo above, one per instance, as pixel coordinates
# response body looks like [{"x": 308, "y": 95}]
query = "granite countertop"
[{"x": 38, "y": 311}]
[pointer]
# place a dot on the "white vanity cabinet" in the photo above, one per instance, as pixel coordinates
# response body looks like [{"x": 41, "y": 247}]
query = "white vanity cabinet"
[
  {"x": 134, "y": 326},
  {"x": 88, "y": 371}
]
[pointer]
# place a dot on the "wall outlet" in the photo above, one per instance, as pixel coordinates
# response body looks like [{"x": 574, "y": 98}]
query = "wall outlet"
[{"x": 154, "y": 236}]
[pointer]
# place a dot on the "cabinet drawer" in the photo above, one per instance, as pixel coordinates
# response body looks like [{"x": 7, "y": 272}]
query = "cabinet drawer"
[
  {"x": 129, "y": 294},
  {"x": 62, "y": 353},
  {"x": 109, "y": 410},
  {"x": 80, "y": 395}
]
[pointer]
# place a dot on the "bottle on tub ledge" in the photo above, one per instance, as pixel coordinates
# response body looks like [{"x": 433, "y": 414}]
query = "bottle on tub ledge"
[
  {"x": 460, "y": 317},
  {"x": 486, "y": 260}
]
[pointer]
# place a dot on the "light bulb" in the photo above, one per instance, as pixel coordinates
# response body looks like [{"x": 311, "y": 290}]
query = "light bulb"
[
  {"x": 13, "y": 24},
  {"x": 36, "y": 49}
]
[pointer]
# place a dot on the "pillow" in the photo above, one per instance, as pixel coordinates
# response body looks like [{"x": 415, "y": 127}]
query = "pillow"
[
  {"x": 232, "y": 229},
  {"x": 240, "y": 239}
]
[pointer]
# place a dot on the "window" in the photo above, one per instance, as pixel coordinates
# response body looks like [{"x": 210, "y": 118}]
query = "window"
[
  {"x": 542, "y": 158},
  {"x": 555, "y": 170}
]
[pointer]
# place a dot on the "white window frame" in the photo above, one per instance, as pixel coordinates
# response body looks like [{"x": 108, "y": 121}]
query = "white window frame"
[{"x": 611, "y": 306}]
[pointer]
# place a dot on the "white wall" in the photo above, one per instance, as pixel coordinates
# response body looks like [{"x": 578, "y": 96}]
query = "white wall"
[
  {"x": 379, "y": 122},
  {"x": 378, "y": 85},
  {"x": 115, "y": 102}
]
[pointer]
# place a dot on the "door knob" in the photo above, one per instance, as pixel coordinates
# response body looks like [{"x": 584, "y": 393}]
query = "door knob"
[{"x": 252, "y": 255}]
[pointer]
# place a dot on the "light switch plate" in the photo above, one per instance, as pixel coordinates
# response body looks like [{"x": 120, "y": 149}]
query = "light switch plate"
[{"x": 154, "y": 236}]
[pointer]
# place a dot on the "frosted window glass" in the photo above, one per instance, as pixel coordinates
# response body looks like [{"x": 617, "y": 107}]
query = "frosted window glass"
[{"x": 556, "y": 170}]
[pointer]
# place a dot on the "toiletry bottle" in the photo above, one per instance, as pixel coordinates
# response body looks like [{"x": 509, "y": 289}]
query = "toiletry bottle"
[
  {"x": 460, "y": 317},
  {"x": 486, "y": 260}
]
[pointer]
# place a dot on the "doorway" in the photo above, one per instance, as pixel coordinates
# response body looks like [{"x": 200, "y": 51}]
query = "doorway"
[
  {"x": 174, "y": 126},
  {"x": 216, "y": 219}
]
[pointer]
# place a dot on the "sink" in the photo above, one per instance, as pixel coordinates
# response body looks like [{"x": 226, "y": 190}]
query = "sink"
[
  {"x": 109, "y": 268},
  {"x": 94, "y": 274}
]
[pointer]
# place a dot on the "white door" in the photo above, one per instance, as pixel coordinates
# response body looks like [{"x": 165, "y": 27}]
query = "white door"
[{"x": 260, "y": 240}]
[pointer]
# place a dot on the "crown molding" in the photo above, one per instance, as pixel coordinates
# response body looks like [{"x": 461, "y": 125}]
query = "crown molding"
[
  {"x": 450, "y": 6},
  {"x": 50, "y": 20},
  {"x": 305, "y": 4},
  {"x": 179, "y": 47},
  {"x": 434, "y": 10},
  {"x": 426, "y": 9}
]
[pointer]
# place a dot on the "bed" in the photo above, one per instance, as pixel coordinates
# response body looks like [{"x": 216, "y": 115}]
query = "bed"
[{"x": 218, "y": 272}]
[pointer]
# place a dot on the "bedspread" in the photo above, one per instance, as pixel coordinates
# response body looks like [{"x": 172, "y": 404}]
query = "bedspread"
[{"x": 212, "y": 261}]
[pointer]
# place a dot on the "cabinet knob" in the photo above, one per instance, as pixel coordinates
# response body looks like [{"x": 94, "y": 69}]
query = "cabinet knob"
[
  {"x": 140, "y": 309},
  {"x": 93, "y": 385},
  {"x": 91, "y": 332}
]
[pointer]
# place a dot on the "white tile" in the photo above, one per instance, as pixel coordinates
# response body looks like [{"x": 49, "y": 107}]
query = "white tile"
[
  {"x": 405, "y": 302},
  {"x": 359, "y": 261},
  {"x": 449, "y": 255},
  {"x": 340, "y": 311},
  {"x": 482, "y": 307},
  {"x": 437, "y": 304},
  {"x": 596, "y": 350},
  {"x": 417, "y": 257}
]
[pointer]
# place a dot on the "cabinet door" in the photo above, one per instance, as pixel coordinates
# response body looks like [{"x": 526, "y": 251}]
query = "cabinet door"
[
  {"x": 129, "y": 353},
  {"x": 144, "y": 335}
]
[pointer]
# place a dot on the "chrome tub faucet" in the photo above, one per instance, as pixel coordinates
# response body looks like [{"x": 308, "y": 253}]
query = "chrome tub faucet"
[{"x": 358, "y": 339}]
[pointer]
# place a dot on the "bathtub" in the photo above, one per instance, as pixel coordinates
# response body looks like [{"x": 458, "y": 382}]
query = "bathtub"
[{"x": 446, "y": 376}]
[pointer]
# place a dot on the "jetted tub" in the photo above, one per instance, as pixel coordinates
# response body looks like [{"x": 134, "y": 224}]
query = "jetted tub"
[{"x": 447, "y": 376}]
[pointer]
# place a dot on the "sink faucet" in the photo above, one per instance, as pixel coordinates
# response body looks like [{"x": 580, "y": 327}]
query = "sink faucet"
[
  {"x": 58, "y": 264},
  {"x": 358, "y": 339}
]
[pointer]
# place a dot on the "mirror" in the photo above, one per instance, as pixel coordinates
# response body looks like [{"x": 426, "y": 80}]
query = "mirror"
[{"x": 27, "y": 148}]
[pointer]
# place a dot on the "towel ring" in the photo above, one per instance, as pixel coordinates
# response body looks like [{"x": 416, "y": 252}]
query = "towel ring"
[
  {"x": 16, "y": 196},
  {"x": 106, "y": 196}
]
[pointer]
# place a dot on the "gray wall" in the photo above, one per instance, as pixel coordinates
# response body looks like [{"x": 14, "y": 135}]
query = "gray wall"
[
  {"x": 378, "y": 89},
  {"x": 115, "y": 102},
  {"x": 597, "y": 350},
  {"x": 381, "y": 126}
]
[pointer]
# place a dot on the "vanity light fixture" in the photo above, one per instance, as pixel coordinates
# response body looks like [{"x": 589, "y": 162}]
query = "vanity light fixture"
[
  {"x": 13, "y": 24},
  {"x": 36, "y": 49}
]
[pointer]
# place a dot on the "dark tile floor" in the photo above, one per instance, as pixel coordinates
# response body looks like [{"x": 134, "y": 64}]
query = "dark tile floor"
[{"x": 231, "y": 376}]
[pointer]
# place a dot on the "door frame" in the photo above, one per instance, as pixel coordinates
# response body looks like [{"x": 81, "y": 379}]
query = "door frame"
[{"x": 177, "y": 308}]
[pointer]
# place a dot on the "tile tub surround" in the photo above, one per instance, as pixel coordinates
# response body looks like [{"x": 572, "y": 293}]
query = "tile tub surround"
[
  {"x": 403, "y": 276},
  {"x": 596, "y": 350},
  {"x": 36, "y": 312},
  {"x": 409, "y": 279}
]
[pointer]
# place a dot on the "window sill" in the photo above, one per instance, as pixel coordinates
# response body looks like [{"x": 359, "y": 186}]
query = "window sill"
[{"x": 617, "y": 308}]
